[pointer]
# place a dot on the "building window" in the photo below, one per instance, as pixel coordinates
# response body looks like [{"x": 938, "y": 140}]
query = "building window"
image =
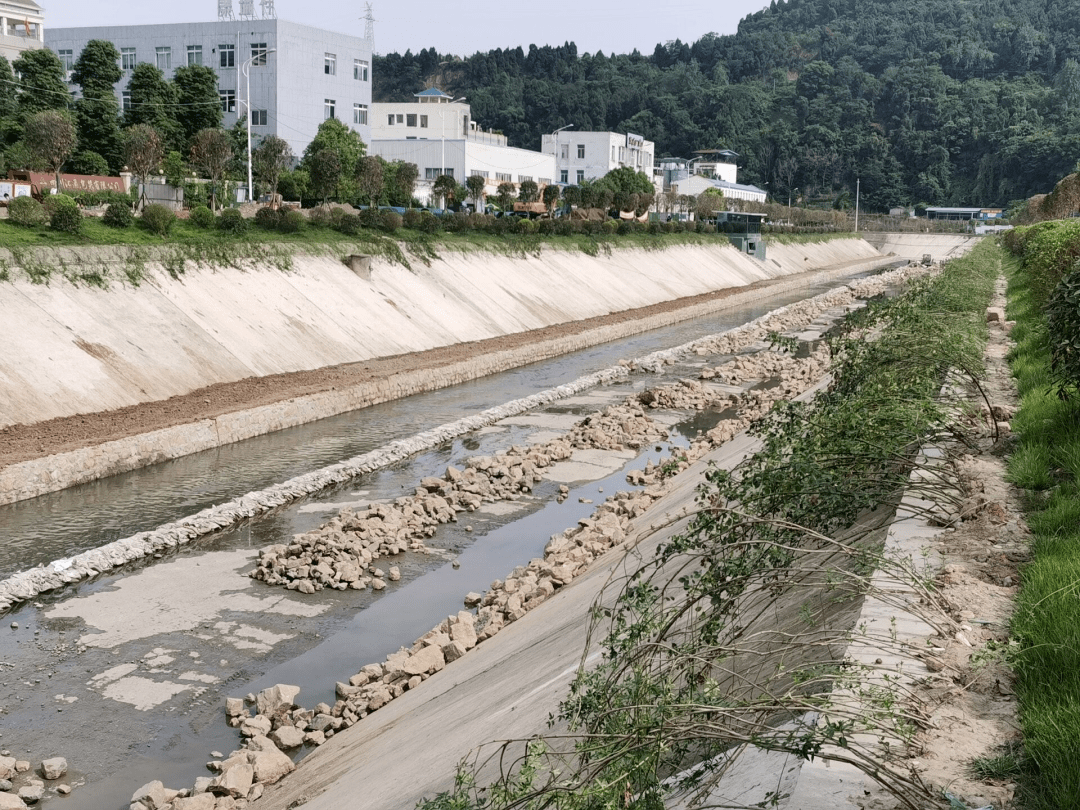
[
  {"x": 67, "y": 59},
  {"x": 258, "y": 54},
  {"x": 581, "y": 151},
  {"x": 524, "y": 178},
  {"x": 227, "y": 56},
  {"x": 163, "y": 53},
  {"x": 360, "y": 70},
  {"x": 410, "y": 120},
  {"x": 400, "y": 118},
  {"x": 125, "y": 100},
  {"x": 127, "y": 58},
  {"x": 423, "y": 122},
  {"x": 390, "y": 120},
  {"x": 359, "y": 113},
  {"x": 330, "y": 64},
  {"x": 564, "y": 176},
  {"x": 564, "y": 151},
  {"x": 580, "y": 176},
  {"x": 478, "y": 173},
  {"x": 328, "y": 108},
  {"x": 502, "y": 178},
  {"x": 228, "y": 100},
  {"x": 258, "y": 118},
  {"x": 194, "y": 54},
  {"x": 433, "y": 174},
  {"x": 545, "y": 181}
]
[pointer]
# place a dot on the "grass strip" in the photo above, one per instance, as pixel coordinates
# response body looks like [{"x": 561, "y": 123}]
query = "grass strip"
[{"x": 1047, "y": 619}]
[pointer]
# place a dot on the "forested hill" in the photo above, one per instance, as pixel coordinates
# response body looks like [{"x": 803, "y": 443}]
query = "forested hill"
[{"x": 938, "y": 101}]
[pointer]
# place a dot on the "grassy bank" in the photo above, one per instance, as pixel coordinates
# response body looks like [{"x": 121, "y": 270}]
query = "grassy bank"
[{"x": 1047, "y": 619}]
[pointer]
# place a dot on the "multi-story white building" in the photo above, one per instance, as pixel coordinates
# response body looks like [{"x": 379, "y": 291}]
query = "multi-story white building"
[
  {"x": 298, "y": 75},
  {"x": 437, "y": 133},
  {"x": 712, "y": 169},
  {"x": 22, "y": 27},
  {"x": 581, "y": 156}
]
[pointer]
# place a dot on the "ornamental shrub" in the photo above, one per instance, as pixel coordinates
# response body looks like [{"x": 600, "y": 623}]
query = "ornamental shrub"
[
  {"x": 348, "y": 224},
  {"x": 370, "y": 217},
  {"x": 64, "y": 214},
  {"x": 291, "y": 222},
  {"x": 231, "y": 221},
  {"x": 118, "y": 215},
  {"x": 26, "y": 211},
  {"x": 158, "y": 219},
  {"x": 525, "y": 226},
  {"x": 1063, "y": 328},
  {"x": 610, "y": 226},
  {"x": 429, "y": 223},
  {"x": 268, "y": 218},
  {"x": 202, "y": 217},
  {"x": 319, "y": 217},
  {"x": 391, "y": 221},
  {"x": 411, "y": 219}
]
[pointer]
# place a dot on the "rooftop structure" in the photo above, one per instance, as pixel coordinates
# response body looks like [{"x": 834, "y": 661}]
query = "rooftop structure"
[
  {"x": 697, "y": 184},
  {"x": 299, "y": 75},
  {"x": 22, "y": 27}
]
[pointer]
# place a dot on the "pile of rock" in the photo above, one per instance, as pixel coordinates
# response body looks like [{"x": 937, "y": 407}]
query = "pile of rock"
[
  {"x": 20, "y": 787},
  {"x": 689, "y": 395},
  {"x": 342, "y": 553}
]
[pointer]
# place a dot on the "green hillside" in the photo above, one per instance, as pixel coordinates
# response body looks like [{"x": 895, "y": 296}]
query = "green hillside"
[{"x": 935, "y": 101}]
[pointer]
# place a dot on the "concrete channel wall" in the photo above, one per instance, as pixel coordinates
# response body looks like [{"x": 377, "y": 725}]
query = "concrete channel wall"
[
  {"x": 913, "y": 246},
  {"x": 78, "y": 349}
]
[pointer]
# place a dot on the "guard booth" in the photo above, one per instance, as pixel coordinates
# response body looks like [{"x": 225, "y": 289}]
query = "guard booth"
[{"x": 743, "y": 230}]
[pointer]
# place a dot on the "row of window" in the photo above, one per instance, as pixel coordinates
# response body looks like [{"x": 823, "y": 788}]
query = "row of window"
[
  {"x": 258, "y": 117},
  {"x": 409, "y": 119},
  {"x": 564, "y": 151},
  {"x": 564, "y": 176},
  {"x": 226, "y": 59}
]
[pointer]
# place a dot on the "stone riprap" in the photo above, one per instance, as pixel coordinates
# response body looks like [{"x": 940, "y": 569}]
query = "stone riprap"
[{"x": 28, "y": 584}]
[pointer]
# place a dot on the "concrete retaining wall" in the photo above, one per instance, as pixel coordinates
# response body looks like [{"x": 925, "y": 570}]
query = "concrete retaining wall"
[
  {"x": 912, "y": 246},
  {"x": 39, "y": 476},
  {"x": 71, "y": 350}
]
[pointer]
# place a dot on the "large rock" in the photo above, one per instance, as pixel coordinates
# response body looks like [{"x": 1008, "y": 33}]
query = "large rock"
[
  {"x": 7, "y": 767},
  {"x": 201, "y": 801},
  {"x": 32, "y": 794},
  {"x": 453, "y": 651},
  {"x": 288, "y": 737},
  {"x": 235, "y": 782},
  {"x": 270, "y": 765},
  {"x": 464, "y": 629},
  {"x": 270, "y": 700},
  {"x": 153, "y": 795},
  {"x": 429, "y": 659},
  {"x": 234, "y": 707},
  {"x": 54, "y": 768},
  {"x": 9, "y": 801},
  {"x": 259, "y": 724}
]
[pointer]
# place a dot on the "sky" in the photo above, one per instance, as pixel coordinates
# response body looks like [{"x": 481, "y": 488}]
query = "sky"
[{"x": 461, "y": 28}]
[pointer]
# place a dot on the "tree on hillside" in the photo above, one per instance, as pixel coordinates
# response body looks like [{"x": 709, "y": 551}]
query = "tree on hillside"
[
  {"x": 153, "y": 103},
  {"x": 369, "y": 178},
  {"x": 324, "y": 167},
  {"x": 97, "y": 113},
  {"x": 212, "y": 155},
  {"x": 346, "y": 144},
  {"x": 270, "y": 159},
  {"x": 50, "y": 137},
  {"x": 198, "y": 103},
  {"x": 41, "y": 82},
  {"x": 143, "y": 152},
  {"x": 475, "y": 183},
  {"x": 550, "y": 196}
]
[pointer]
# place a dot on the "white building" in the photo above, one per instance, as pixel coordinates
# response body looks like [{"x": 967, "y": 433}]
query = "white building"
[
  {"x": 696, "y": 184},
  {"x": 22, "y": 27},
  {"x": 581, "y": 156},
  {"x": 299, "y": 75},
  {"x": 437, "y": 133}
]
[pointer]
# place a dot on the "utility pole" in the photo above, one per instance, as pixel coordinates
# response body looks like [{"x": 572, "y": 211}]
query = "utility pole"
[
  {"x": 247, "y": 103},
  {"x": 858, "y": 182}
]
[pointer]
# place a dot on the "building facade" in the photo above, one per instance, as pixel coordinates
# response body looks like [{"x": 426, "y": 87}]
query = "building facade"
[
  {"x": 696, "y": 184},
  {"x": 22, "y": 27},
  {"x": 298, "y": 75},
  {"x": 581, "y": 156},
  {"x": 438, "y": 134}
]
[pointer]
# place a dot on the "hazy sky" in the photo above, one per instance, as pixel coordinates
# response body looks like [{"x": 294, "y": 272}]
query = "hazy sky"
[{"x": 453, "y": 27}]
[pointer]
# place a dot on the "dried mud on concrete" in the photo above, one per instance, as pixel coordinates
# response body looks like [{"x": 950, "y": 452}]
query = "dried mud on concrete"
[{"x": 20, "y": 443}]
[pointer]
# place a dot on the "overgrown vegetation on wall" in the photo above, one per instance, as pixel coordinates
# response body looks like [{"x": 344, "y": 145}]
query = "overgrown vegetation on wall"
[{"x": 736, "y": 632}]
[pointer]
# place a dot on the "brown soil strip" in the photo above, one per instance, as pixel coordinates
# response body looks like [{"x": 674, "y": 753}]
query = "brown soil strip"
[{"x": 20, "y": 443}]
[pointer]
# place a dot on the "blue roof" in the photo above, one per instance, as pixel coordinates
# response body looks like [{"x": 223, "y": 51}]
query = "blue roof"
[{"x": 434, "y": 92}]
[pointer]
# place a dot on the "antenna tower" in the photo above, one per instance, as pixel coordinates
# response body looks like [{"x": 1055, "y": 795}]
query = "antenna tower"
[
  {"x": 267, "y": 9},
  {"x": 369, "y": 27},
  {"x": 225, "y": 10}
]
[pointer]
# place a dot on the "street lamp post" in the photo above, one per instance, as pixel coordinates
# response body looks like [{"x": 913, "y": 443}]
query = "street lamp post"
[
  {"x": 555, "y": 136},
  {"x": 247, "y": 105}
]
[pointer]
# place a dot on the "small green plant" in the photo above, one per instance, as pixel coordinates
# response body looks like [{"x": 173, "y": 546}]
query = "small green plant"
[
  {"x": 1063, "y": 327},
  {"x": 268, "y": 218},
  {"x": 411, "y": 219},
  {"x": 26, "y": 211},
  {"x": 202, "y": 217},
  {"x": 1005, "y": 763},
  {"x": 118, "y": 215},
  {"x": 64, "y": 214},
  {"x": 319, "y": 217},
  {"x": 291, "y": 222},
  {"x": 158, "y": 219},
  {"x": 231, "y": 221},
  {"x": 391, "y": 221},
  {"x": 348, "y": 224}
]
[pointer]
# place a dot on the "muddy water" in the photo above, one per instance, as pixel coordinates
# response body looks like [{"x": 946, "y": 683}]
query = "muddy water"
[
  {"x": 64, "y": 523},
  {"x": 126, "y": 675}
]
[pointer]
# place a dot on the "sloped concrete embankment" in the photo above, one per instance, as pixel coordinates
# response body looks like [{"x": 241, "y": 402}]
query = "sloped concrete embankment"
[
  {"x": 101, "y": 350},
  {"x": 913, "y": 246}
]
